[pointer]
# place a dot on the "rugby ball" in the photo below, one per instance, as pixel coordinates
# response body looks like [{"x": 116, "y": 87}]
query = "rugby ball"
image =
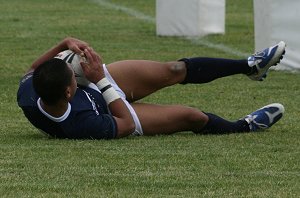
[{"x": 74, "y": 60}]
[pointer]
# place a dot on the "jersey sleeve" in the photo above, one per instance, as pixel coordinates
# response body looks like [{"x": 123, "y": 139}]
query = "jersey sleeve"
[
  {"x": 26, "y": 95},
  {"x": 92, "y": 126}
]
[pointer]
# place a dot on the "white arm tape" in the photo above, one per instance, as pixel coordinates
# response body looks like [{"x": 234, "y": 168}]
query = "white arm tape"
[
  {"x": 102, "y": 83},
  {"x": 110, "y": 95},
  {"x": 108, "y": 92}
]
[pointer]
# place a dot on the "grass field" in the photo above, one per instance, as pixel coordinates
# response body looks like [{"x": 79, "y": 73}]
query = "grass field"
[{"x": 182, "y": 165}]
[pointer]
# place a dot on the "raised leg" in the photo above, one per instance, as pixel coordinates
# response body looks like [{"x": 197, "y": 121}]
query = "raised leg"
[{"x": 139, "y": 78}]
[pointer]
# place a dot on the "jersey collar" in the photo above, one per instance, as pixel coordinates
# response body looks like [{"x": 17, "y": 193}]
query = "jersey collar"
[{"x": 55, "y": 119}]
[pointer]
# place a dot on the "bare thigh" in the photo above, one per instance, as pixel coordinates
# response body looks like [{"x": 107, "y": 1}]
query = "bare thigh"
[
  {"x": 168, "y": 119},
  {"x": 139, "y": 78}
]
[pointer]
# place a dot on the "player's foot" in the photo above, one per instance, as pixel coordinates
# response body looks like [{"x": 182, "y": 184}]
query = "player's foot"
[
  {"x": 263, "y": 60},
  {"x": 265, "y": 117}
]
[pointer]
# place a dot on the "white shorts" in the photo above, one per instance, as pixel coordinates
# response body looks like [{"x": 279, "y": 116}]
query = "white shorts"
[{"x": 138, "y": 127}]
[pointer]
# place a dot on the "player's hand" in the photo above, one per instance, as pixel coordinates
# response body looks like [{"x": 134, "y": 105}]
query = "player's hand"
[
  {"x": 76, "y": 45},
  {"x": 91, "y": 65}
]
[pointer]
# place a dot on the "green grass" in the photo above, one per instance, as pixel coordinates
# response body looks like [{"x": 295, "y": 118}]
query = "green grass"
[{"x": 182, "y": 165}]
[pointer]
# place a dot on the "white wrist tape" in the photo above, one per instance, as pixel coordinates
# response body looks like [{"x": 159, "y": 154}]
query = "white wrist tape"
[{"x": 108, "y": 92}]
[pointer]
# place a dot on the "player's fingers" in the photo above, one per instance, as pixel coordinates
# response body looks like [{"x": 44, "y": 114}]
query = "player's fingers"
[
  {"x": 94, "y": 55},
  {"x": 88, "y": 55},
  {"x": 83, "y": 45},
  {"x": 77, "y": 50},
  {"x": 84, "y": 66}
]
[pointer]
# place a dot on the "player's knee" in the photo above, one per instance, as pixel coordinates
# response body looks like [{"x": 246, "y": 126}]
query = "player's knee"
[
  {"x": 176, "y": 71},
  {"x": 177, "y": 67}
]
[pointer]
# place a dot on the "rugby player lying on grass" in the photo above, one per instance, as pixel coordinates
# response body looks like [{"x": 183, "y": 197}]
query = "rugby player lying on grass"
[{"x": 107, "y": 107}]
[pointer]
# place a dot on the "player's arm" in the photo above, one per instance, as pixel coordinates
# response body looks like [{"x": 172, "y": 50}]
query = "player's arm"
[
  {"x": 93, "y": 71},
  {"x": 73, "y": 44}
]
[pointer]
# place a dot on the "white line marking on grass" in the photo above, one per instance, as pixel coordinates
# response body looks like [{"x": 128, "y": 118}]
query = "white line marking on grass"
[
  {"x": 149, "y": 19},
  {"x": 129, "y": 11},
  {"x": 220, "y": 47}
]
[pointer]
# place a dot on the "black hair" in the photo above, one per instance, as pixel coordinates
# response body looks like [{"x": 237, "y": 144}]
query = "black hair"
[{"x": 50, "y": 80}]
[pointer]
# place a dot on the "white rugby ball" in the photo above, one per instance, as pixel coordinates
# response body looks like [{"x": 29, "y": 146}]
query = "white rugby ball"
[{"x": 74, "y": 60}]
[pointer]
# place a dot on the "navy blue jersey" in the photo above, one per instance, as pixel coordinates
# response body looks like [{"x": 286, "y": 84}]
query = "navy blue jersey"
[{"x": 87, "y": 117}]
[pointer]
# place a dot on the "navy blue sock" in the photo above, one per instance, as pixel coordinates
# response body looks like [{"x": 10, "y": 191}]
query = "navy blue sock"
[
  {"x": 203, "y": 70},
  {"x": 217, "y": 125}
]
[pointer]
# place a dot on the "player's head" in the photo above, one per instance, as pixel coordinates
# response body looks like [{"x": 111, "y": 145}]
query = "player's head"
[{"x": 53, "y": 81}]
